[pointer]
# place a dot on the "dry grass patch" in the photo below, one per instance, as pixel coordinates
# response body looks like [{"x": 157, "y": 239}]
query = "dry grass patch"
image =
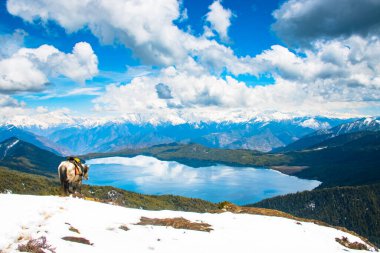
[
  {"x": 77, "y": 240},
  {"x": 124, "y": 227},
  {"x": 351, "y": 245},
  {"x": 36, "y": 246},
  {"x": 178, "y": 223},
  {"x": 72, "y": 229}
]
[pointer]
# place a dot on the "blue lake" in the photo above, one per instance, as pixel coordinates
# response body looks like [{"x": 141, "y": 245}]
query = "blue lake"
[{"x": 148, "y": 175}]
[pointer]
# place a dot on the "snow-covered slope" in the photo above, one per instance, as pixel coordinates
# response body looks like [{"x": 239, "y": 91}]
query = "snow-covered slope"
[{"x": 25, "y": 217}]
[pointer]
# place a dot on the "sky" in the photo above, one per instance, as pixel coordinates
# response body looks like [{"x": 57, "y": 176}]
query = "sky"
[{"x": 187, "y": 60}]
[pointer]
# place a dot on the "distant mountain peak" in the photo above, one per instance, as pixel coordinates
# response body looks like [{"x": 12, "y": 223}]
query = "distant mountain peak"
[
  {"x": 8, "y": 131},
  {"x": 369, "y": 124}
]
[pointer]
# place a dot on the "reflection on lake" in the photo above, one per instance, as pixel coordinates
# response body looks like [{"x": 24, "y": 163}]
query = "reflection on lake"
[{"x": 148, "y": 175}]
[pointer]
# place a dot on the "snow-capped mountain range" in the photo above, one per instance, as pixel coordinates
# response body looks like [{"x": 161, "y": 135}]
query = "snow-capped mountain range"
[{"x": 257, "y": 134}]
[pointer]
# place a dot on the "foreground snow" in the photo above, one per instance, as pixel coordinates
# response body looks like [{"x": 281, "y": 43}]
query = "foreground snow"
[{"x": 24, "y": 217}]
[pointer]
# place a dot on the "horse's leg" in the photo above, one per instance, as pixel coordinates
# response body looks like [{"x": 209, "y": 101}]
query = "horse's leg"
[
  {"x": 74, "y": 184},
  {"x": 67, "y": 187},
  {"x": 80, "y": 186},
  {"x": 72, "y": 187}
]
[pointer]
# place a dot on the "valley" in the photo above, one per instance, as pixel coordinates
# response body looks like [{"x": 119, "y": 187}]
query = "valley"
[{"x": 346, "y": 159}]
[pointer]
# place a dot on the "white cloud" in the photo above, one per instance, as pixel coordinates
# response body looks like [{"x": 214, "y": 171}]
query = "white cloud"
[
  {"x": 20, "y": 74},
  {"x": 336, "y": 74},
  {"x": 315, "y": 124},
  {"x": 145, "y": 26},
  {"x": 29, "y": 69},
  {"x": 83, "y": 91},
  {"x": 209, "y": 98},
  {"x": 8, "y": 101},
  {"x": 219, "y": 19},
  {"x": 341, "y": 63}
]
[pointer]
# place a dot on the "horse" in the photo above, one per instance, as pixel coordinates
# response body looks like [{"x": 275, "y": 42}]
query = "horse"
[{"x": 67, "y": 176}]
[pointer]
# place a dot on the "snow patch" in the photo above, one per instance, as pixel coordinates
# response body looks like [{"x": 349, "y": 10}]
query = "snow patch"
[
  {"x": 320, "y": 148},
  {"x": 11, "y": 145}
]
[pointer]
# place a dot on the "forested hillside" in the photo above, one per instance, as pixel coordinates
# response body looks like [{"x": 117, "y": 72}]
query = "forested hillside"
[{"x": 356, "y": 208}]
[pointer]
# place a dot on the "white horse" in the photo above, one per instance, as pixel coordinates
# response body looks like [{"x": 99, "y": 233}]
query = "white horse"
[{"x": 68, "y": 176}]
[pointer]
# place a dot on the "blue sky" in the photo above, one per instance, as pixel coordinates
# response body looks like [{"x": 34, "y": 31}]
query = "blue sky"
[{"x": 219, "y": 60}]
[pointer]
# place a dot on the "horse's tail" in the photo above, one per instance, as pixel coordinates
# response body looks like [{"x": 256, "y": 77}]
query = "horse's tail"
[{"x": 62, "y": 173}]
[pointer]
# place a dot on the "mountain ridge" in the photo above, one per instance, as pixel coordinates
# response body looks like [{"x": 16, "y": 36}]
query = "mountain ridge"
[
  {"x": 26, "y": 157},
  {"x": 310, "y": 140},
  {"x": 8, "y": 131}
]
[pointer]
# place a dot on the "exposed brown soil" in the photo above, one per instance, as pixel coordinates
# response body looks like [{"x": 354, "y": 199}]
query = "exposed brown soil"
[
  {"x": 77, "y": 239},
  {"x": 351, "y": 245}
]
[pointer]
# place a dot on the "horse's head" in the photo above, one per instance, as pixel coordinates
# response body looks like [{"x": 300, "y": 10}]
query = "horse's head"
[{"x": 86, "y": 168}]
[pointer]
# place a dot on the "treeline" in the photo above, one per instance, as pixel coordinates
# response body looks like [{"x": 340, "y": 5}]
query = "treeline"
[{"x": 356, "y": 208}]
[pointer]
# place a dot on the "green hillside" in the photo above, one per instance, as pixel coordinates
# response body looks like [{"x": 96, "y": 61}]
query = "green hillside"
[{"x": 352, "y": 159}]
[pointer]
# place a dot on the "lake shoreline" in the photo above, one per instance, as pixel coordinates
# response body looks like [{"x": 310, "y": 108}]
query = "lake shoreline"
[{"x": 149, "y": 175}]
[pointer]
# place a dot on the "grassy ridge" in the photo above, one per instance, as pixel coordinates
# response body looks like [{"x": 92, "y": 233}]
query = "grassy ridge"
[
  {"x": 198, "y": 155},
  {"x": 24, "y": 183}
]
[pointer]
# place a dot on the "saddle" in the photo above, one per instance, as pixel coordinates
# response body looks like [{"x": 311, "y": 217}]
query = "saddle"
[{"x": 78, "y": 165}]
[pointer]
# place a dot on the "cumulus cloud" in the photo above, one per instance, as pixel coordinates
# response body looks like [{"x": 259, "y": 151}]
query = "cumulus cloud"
[
  {"x": 163, "y": 91},
  {"x": 300, "y": 22},
  {"x": 145, "y": 26},
  {"x": 20, "y": 74},
  {"x": 209, "y": 98},
  {"x": 219, "y": 19},
  {"x": 10, "y": 43},
  {"x": 8, "y": 101},
  {"x": 29, "y": 69},
  {"x": 330, "y": 66},
  {"x": 338, "y": 72}
]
